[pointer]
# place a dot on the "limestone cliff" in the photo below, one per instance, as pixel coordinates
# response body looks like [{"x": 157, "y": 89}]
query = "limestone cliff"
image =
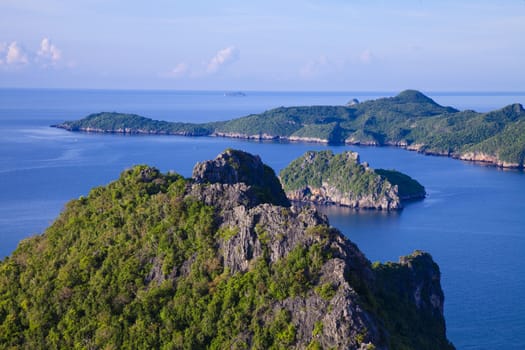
[
  {"x": 233, "y": 166},
  {"x": 158, "y": 261}
]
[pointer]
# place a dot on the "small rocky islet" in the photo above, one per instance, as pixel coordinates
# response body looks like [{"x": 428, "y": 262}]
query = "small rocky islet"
[
  {"x": 341, "y": 179},
  {"x": 218, "y": 260}
]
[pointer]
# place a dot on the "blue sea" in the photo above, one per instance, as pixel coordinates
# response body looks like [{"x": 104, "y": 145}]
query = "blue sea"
[{"x": 472, "y": 222}]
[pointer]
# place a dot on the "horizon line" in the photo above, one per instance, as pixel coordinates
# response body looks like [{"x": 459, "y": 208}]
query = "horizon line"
[{"x": 482, "y": 92}]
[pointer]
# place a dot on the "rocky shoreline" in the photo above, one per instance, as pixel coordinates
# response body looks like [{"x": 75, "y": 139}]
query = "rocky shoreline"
[
  {"x": 324, "y": 178},
  {"x": 474, "y": 157}
]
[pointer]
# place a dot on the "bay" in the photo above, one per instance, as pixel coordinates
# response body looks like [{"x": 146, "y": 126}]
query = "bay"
[{"x": 472, "y": 221}]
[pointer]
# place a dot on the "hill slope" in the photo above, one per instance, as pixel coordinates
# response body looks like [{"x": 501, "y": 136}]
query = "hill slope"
[
  {"x": 410, "y": 120},
  {"x": 158, "y": 261},
  {"x": 325, "y": 178}
]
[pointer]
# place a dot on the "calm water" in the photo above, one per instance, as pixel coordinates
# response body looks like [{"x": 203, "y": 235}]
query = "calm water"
[{"x": 472, "y": 222}]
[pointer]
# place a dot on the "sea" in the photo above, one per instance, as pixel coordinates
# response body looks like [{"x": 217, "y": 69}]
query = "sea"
[{"x": 472, "y": 221}]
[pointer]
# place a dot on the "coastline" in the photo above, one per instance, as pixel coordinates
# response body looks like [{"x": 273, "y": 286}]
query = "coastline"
[{"x": 472, "y": 157}]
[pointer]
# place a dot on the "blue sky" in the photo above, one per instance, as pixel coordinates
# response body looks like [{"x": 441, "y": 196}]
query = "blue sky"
[{"x": 315, "y": 45}]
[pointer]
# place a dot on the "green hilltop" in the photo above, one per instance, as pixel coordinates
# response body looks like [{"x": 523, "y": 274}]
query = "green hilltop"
[
  {"x": 327, "y": 178},
  {"x": 157, "y": 261},
  {"x": 410, "y": 120}
]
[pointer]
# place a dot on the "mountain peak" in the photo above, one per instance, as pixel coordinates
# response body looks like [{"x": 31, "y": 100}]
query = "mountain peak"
[
  {"x": 156, "y": 261},
  {"x": 414, "y": 96},
  {"x": 234, "y": 166}
]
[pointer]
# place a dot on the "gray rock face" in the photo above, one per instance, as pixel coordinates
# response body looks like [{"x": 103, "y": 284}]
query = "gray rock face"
[
  {"x": 343, "y": 307},
  {"x": 329, "y": 194},
  {"x": 233, "y": 166},
  {"x": 423, "y": 282},
  {"x": 281, "y": 229}
]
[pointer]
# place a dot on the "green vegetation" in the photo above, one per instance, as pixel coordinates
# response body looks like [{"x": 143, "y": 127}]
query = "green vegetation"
[
  {"x": 348, "y": 177},
  {"x": 408, "y": 188},
  {"x": 409, "y": 119},
  {"x": 139, "y": 264},
  {"x": 136, "y": 265},
  {"x": 394, "y": 296},
  {"x": 343, "y": 171},
  {"x": 134, "y": 124},
  {"x": 500, "y": 146}
]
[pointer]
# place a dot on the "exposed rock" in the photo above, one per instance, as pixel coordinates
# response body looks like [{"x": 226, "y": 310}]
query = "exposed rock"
[
  {"x": 344, "y": 317},
  {"x": 486, "y": 158},
  {"x": 325, "y": 178},
  {"x": 233, "y": 166},
  {"x": 352, "y": 102},
  {"x": 422, "y": 282},
  {"x": 212, "y": 255}
]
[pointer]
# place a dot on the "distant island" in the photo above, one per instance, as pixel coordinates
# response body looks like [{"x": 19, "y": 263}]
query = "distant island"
[
  {"x": 234, "y": 94},
  {"x": 217, "y": 261},
  {"x": 409, "y": 120},
  {"x": 341, "y": 179}
]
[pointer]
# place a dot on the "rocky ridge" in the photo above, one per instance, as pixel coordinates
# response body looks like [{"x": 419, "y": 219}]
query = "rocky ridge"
[
  {"x": 348, "y": 319},
  {"x": 285, "y": 277}
]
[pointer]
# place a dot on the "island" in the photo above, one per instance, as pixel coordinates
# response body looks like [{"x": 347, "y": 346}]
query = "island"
[
  {"x": 341, "y": 179},
  {"x": 221, "y": 261},
  {"x": 235, "y": 94},
  {"x": 409, "y": 120}
]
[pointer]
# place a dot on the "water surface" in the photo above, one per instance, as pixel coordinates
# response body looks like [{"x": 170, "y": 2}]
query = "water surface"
[{"x": 472, "y": 221}]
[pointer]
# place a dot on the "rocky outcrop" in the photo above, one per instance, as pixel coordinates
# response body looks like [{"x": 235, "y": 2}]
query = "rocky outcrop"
[
  {"x": 158, "y": 261},
  {"x": 343, "y": 307},
  {"x": 233, "y": 166},
  {"x": 487, "y": 159},
  {"x": 329, "y": 194},
  {"x": 237, "y": 135},
  {"x": 324, "y": 178}
]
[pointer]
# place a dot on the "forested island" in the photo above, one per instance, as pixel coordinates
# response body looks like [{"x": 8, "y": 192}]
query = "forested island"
[
  {"x": 409, "y": 120},
  {"x": 220, "y": 260},
  {"x": 341, "y": 179}
]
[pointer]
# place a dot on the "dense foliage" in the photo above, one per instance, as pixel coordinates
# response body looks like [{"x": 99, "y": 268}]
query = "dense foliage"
[
  {"x": 137, "y": 264},
  {"x": 113, "y": 122},
  {"x": 112, "y": 272},
  {"x": 409, "y": 119},
  {"x": 345, "y": 173},
  {"x": 395, "y": 280},
  {"x": 408, "y": 188}
]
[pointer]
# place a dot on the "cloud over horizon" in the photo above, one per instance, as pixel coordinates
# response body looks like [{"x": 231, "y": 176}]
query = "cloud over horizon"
[
  {"x": 49, "y": 52},
  {"x": 223, "y": 58},
  {"x": 14, "y": 54}
]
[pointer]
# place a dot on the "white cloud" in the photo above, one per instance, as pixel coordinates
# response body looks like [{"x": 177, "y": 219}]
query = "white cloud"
[
  {"x": 49, "y": 52},
  {"x": 366, "y": 56},
  {"x": 180, "y": 70},
  {"x": 223, "y": 57},
  {"x": 16, "y": 54}
]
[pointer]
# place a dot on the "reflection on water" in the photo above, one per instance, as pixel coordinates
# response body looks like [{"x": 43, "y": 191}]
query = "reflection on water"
[{"x": 357, "y": 217}]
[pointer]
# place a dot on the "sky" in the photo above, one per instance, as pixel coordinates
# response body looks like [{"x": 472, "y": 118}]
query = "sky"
[{"x": 309, "y": 45}]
